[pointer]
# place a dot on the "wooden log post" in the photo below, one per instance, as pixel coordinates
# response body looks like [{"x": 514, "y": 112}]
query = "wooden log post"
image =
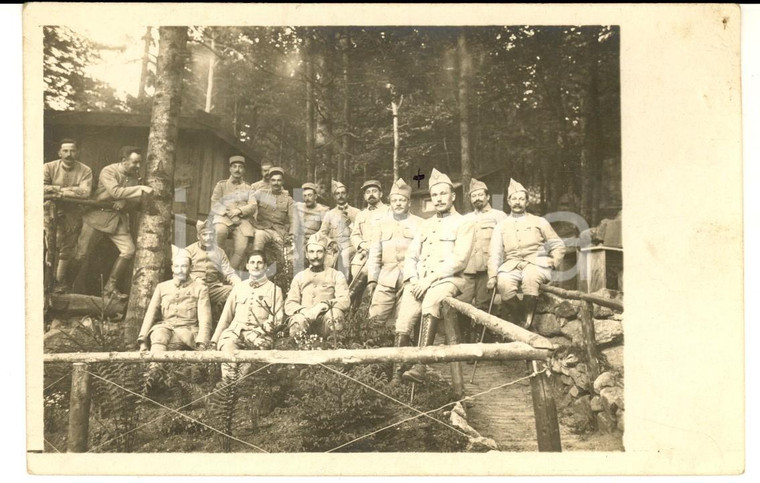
[
  {"x": 589, "y": 339},
  {"x": 79, "y": 409},
  {"x": 51, "y": 235},
  {"x": 453, "y": 337},
  {"x": 545, "y": 411}
]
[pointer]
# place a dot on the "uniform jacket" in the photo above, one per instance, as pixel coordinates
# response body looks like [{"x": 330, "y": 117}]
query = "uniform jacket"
[
  {"x": 275, "y": 211},
  {"x": 261, "y": 184},
  {"x": 337, "y": 225},
  {"x": 485, "y": 222},
  {"x": 210, "y": 265},
  {"x": 113, "y": 185},
  {"x": 309, "y": 288},
  {"x": 365, "y": 224},
  {"x": 440, "y": 249},
  {"x": 250, "y": 307},
  {"x": 526, "y": 238},
  {"x": 388, "y": 249},
  {"x": 307, "y": 221},
  {"x": 75, "y": 182},
  {"x": 176, "y": 305},
  {"x": 228, "y": 195}
]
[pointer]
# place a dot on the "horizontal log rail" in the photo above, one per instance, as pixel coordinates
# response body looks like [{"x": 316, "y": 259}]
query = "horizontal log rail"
[
  {"x": 500, "y": 326},
  {"x": 430, "y": 354},
  {"x": 587, "y": 297},
  {"x": 107, "y": 205}
]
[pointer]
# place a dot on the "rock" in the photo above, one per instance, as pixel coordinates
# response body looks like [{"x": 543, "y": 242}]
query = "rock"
[
  {"x": 620, "y": 415},
  {"x": 605, "y": 423},
  {"x": 618, "y": 317},
  {"x": 580, "y": 376},
  {"x": 547, "y": 303},
  {"x": 566, "y": 380},
  {"x": 481, "y": 445},
  {"x": 614, "y": 356},
  {"x": 579, "y": 416},
  {"x": 612, "y": 399},
  {"x": 561, "y": 341},
  {"x": 608, "y": 331},
  {"x": 610, "y": 294},
  {"x": 547, "y": 325},
  {"x": 605, "y": 379},
  {"x": 574, "y": 331},
  {"x": 596, "y": 404},
  {"x": 601, "y": 312},
  {"x": 566, "y": 309},
  {"x": 574, "y": 391}
]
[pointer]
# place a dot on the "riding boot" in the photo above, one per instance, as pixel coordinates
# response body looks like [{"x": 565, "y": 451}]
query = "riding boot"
[
  {"x": 529, "y": 304},
  {"x": 70, "y": 272},
  {"x": 60, "y": 285},
  {"x": 514, "y": 310},
  {"x": 401, "y": 340},
  {"x": 418, "y": 371},
  {"x": 119, "y": 267}
]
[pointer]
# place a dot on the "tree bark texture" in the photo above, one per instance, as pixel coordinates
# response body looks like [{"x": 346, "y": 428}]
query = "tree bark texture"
[
  {"x": 345, "y": 46},
  {"x": 155, "y": 225},
  {"x": 464, "y": 116},
  {"x": 311, "y": 121}
]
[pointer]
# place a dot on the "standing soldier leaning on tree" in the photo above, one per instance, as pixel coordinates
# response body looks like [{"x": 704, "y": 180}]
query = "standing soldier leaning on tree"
[
  {"x": 362, "y": 233},
  {"x": 232, "y": 208},
  {"x": 274, "y": 222},
  {"x": 66, "y": 178},
  {"x": 337, "y": 227},
  {"x": 306, "y": 222},
  {"x": 117, "y": 183},
  {"x": 485, "y": 219}
]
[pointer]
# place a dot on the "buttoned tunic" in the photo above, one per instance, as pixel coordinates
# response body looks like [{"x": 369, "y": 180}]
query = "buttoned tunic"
[
  {"x": 230, "y": 195},
  {"x": 337, "y": 224},
  {"x": 307, "y": 221},
  {"x": 309, "y": 289},
  {"x": 527, "y": 238},
  {"x": 73, "y": 182},
  {"x": 485, "y": 221},
  {"x": 180, "y": 308},
  {"x": 114, "y": 184},
  {"x": 252, "y": 311},
  {"x": 275, "y": 211}
]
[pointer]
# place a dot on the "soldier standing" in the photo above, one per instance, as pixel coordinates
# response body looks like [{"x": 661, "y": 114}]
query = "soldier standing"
[
  {"x": 362, "y": 232},
  {"x": 434, "y": 267},
  {"x": 66, "y": 177},
  {"x": 117, "y": 183},
  {"x": 232, "y": 208},
  {"x": 263, "y": 183},
  {"x": 306, "y": 222},
  {"x": 524, "y": 250},
  {"x": 274, "y": 220},
  {"x": 318, "y": 296},
  {"x": 337, "y": 227}
]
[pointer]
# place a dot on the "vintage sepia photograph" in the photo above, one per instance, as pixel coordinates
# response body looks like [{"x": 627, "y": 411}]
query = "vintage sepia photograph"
[{"x": 341, "y": 238}]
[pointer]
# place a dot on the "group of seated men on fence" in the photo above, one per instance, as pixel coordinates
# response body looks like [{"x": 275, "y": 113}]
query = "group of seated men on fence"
[{"x": 405, "y": 265}]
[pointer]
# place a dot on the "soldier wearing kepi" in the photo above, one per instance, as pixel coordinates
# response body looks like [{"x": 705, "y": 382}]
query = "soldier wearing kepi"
[
  {"x": 363, "y": 230},
  {"x": 253, "y": 311},
  {"x": 306, "y": 222},
  {"x": 434, "y": 267},
  {"x": 179, "y": 314},
  {"x": 263, "y": 183},
  {"x": 485, "y": 219},
  {"x": 386, "y": 261},
  {"x": 337, "y": 227},
  {"x": 274, "y": 220},
  {"x": 233, "y": 206},
  {"x": 318, "y": 296},
  {"x": 211, "y": 267},
  {"x": 524, "y": 250},
  {"x": 118, "y": 184},
  {"x": 66, "y": 178}
]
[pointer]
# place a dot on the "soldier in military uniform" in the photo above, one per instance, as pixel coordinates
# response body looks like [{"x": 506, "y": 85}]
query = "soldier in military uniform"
[
  {"x": 211, "y": 267},
  {"x": 524, "y": 250},
  {"x": 69, "y": 178},
  {"x": 179, "y": 313},
  {"x": 485, "y": 219},
  {"x": 233, "y": 206},
  {"x": 386, "y": 262},
  {"x": 253, "y": 311},
  {"x": 274, "y": 221},
  {"x": 434, "y": 267},
  {"x": 118, "y": 184},
  {"x": 263, "y": 183},
  {"x": 362, "y": 232},
  {"x": 306, "y": 222},
  {"x": 318, "y": 296},
  {"x": 337, "y": 227}
]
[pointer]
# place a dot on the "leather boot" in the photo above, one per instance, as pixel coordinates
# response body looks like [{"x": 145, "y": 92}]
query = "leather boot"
[
  {"x": 60, "y": 285},
  {"x": 119, "y": 267},
  {"x": 418, "y": 371},
  {"x": 514, "y": 310},
  {"x": 401, "y": 340},
  {"x": 529, "y": 304}
]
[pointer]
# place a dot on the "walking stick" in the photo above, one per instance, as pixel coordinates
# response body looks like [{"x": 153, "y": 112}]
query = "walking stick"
[
  {"x": 419, "y": 336},
  {"x": 483, "y": 334}
]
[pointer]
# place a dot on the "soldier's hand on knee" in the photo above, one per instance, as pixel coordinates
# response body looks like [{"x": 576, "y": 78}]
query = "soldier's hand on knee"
[
  {"x": 200, "y": 346},
  {"x": 211, "y": 346},
  {"x": 143, "y": 347}
]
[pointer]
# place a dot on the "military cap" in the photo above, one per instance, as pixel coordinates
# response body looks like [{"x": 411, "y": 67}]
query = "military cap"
[
  {"x": 237, "y": 159},
  {"x": 181, "y": 254},
  {"x": 318, "y": 239},
  {"x": 477, "y": 185},
  {"x": 276, "y": 169},
  {"x": 336, "y": 185},
  {"x": 401, "y": 188},
  {"x": 309, "y": 186},
  {"x": 370, "y": 183},
  {"x": 201, "y": 226},
  {"x": 436, "y": 177},
  {"x": 515, "y": 187}
]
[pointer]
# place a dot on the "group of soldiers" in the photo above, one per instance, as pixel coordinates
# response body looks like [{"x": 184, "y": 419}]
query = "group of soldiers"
[{"x": 404, "y": 265}]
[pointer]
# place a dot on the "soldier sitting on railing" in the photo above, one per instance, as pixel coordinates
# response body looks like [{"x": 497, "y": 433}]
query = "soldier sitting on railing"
[
  {"x": 179, "y": 314},
  {"x": 254, "y": 310}
]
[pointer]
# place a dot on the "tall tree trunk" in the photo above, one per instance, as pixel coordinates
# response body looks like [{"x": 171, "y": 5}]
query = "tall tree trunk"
[
  {"x": 464, "y": 116},
  {"x": 147, "y": 38},
  {"x": 593, "y": 132},
  {"x": 311, "y": 122},
  {"x": 394, "y": 109},
  {"x": 345, "y": 46},
  {"x": 154, "y": 229},
  {"x": 210, "y": 81}
]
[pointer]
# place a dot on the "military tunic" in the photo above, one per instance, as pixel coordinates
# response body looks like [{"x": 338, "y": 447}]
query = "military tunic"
[
  {"x": 307, "y": 292},
  {"x": 306, "y": 222},
  {"x": 523, "y": 249},
  {"x": 476, "y": 272},
  {"x": 337, "y": 226},
  {"x": 386, "y": 262},
  {"x": 178, "y": 316},
  {"x": 250, "y": 315},
  {"x": 211, "y": 267},
  {"x": 73, "y": 182},
  {"x": 229, "y": 195},
  {"x": 363, "y": 231},
  {"x": 439, "y": 251},
  {"x": 275, "y": 217}
]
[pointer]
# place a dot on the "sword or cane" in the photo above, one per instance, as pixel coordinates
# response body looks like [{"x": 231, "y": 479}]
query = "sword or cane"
[
  {"x": 483, "y": 334},
  {"x": 411, "y": 398}
]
